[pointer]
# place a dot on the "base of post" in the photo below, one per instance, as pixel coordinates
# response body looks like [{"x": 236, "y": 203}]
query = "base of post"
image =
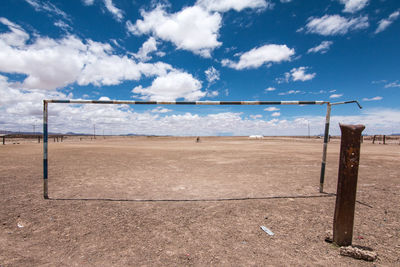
[
  {"x": 45, "y": 189},
  {"x": 321, "y": 188}
]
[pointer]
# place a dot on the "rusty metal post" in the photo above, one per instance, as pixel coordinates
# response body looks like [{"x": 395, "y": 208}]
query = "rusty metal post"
[
  {"x": 325, "y": 148},
  {"x": 347, "y": 184}
]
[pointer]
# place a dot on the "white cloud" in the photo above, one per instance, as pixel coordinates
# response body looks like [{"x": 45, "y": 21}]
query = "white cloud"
[
  {"x": 212, "y": 74},
  {"x": 335, "y": 25},
  {"x": 17, "y": 37},
  {"x": 270, "y": 89},
  {"x": 116, "y": 12},
  {"x": 321, "y": 48},
  {"x": 392, "y": 84},
  {"x": 257, "y": 116},
  {"x": 161, "y": 110},
  {"x": 276, "y": 114},
  {"x": 237, "y": 5},
  {"x": 51, "y": 64},
  {"x": 271, "y": 109},
  {"x": 300, "y": 75},
  {"x": 147, "y": 47},
  {"x": 172, "y": 86},
  {"x": 384, "y": 23},
  {"x": 19, "y": 109},
  {"x": 352, "y": 6},
  {"x": 48, "y": 7},
  {"x": 192, "y": 28},
  {"x": 88, "y": 2},
  {"x": 64, "y": 26},
  {"x": 296, "y": 74},
  {"x": 259, "y": 56},
  {"x": 376, "y": 98},
  {"x": 291, "y": 92},
  {"x": 336, "y": 96},
  {"x": 285, "y": 1}
]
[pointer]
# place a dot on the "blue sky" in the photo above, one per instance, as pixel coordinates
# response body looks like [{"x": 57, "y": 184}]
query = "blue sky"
[{"x": 332, "y": 50}]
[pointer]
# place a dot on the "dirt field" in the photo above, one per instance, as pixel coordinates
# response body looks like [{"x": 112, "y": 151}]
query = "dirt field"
[{"x": 142, "y": 201}]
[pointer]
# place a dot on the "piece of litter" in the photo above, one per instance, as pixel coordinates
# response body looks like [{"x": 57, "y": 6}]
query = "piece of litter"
[
  {"x": 20, "y": 225},
  {"x": 265, "y": 229}
]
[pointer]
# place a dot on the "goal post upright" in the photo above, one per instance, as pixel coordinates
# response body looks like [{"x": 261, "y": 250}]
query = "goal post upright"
[
  {"x": 45, "y": 150},
  {"x": 127, "y": 102},
  {"x": 325, "y": 147}
]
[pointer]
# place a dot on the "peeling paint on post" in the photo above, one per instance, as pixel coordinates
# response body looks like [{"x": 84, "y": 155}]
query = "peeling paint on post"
[
  {"x": 45, "y": 137},
  {"x": 325, "y": 148},
  {"x": 343, "y": 221}
]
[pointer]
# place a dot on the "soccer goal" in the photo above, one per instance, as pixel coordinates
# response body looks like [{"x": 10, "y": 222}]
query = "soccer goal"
[{"x": 119, "y": 102}]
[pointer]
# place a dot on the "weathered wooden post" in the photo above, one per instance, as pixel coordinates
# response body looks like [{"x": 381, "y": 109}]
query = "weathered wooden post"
[
  {"x": 4, "y": 139},
  {"x": 38, "y": 139},
  {"x": 343, "y": 221},
  {"x": 373, "y": 140},
  {"x": 384, "y": 139}
]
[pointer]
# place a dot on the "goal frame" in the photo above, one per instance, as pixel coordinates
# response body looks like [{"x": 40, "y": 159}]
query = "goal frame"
[{"x": 126, "y": 102}]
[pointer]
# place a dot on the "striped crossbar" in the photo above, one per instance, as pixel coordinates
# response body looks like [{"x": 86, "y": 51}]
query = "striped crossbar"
[{"x": 187, "y": 102}]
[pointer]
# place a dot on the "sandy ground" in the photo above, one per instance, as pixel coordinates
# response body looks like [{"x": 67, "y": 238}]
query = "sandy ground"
[{"x": 142, "y": 201}]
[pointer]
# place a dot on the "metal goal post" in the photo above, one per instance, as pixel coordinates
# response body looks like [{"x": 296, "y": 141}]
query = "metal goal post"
[{"x": 119, "y": 102}]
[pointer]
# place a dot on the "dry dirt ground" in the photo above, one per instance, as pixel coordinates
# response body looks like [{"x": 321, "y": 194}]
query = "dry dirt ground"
[{"x": 143, "y": 201}]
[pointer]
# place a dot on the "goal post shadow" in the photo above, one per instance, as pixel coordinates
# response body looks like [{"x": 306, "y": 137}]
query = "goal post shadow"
[{"x": 118, "y": 102}]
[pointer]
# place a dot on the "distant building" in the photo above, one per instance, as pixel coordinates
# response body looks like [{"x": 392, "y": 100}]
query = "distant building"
[{"x": 256, "y": 137}]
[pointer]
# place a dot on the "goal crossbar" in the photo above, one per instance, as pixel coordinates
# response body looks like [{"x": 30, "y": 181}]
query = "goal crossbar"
[{"x": 127, "y": 102}]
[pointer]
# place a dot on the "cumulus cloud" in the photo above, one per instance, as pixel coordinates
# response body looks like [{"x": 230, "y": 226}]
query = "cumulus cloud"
[
  {"x": 55, "y": 63},
  {"x": 321, "y": 48},
  {"x": 259, "y": 56},
  {"x": 19, "y": 109},
  {"x": 16, "y": 37},
  {"x": 212, "y": 74},
  {"x": 160, "y": 110},
  {"x": 116, "y": 12},
  {"x": 384, "y": 23},
  {"x": 299, "y": 74},
  {"x": 296, "y": 74},
  {"x": 376, "y": 98},
  {"x": 170, "y": 87},
  {"x": 270, "y": 89},
  {"x": 271, "y": 109},
  {"x": 147, "y": 47},
  {"x": 276, "y": 114},
  {"x": 237, "y": 5},
  {"x": 352, "y": 6},
  {"x": 335, "y": 25},
  {"x": 255, "y": 117},
  {"x": 193, "y": 28}
]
